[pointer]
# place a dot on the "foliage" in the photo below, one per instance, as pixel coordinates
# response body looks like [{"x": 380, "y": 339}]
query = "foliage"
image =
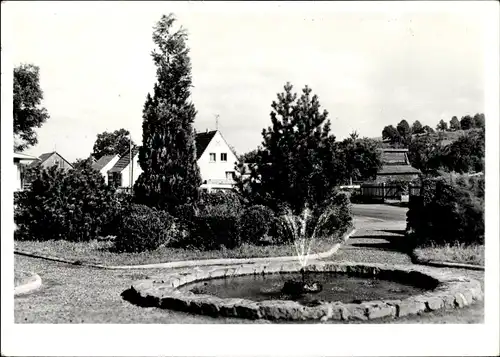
[
  {"x": 337, "y": 218},
  {"x": 142, "y": 228},
  {"x": 170, "y": 174},
  {"x": 74, "y": 205},
  {"x": 297, "y": 163},
  {"x": 467, "y": 153},
  {"x": 466, "y": 122},
  {"x": 425, "y": 153},
  {"x": 478, "y": 121},
  {"x": 112, "y": 143},
  {"x": 255, "y": 223},
  {"x": 249, "y": 157},
  {"x": 360, "y": 158},
  {"x": 427, "y": 129},
  {"x": 448, "y": 211},
  {"x": 417, "y": 128},
  {"x": 442, "y": 125},
  {"x": 404, "y": 131},
  {"x": 27, "y": 110},
  {"x": 219, "y": 203},
  {"x": 213, "y": 232},
  {"x": 391, "y": 133},
  {"x": 454, "y": 123},
  {"x": 81, "y": 164}
]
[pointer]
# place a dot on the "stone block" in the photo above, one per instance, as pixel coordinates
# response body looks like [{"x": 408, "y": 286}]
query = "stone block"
[
  {"x": 434, "y": 303},
  {"x": 248, "y": 310},
  {"x": 410, "y": 307},
  {"x": 378, "y": 310},
  {"x": 282, "y": 310},
  {"x": 356, "y": 311},
  {"x": 460, "y": 300}
]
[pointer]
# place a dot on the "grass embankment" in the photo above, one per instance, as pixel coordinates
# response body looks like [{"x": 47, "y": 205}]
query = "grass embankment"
[
  {"x": 457, "y": 253},
  {"x": 100, "y": 252}
]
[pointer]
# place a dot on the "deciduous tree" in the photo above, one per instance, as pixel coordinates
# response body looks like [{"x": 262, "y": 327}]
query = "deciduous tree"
[
  {"x": 112, "y": 143},
  {"x": 28, "y": 112}
]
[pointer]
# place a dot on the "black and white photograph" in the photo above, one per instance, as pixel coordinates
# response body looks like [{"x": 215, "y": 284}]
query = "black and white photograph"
[{"x": 208, "y": 178}]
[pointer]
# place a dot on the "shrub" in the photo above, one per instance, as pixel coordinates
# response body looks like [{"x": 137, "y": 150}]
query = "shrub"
[
  {"x": 255, "y": 223},
  {"x": 142, "y": 228},
  {"x": 450, "y": 210},
  {"x": 333, "y": 218},
  {"x": 73, "y": 205},
  {"x": 219, "y": 203},
  {"x": 213, "y": 232}
]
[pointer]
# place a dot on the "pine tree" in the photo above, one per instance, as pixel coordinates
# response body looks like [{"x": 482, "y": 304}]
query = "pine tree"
[
  {"x": 442, "y": 126},
  {"x": 296, "y": 164},
  {"x": 454, "y": 124},
  {"x": 167, "y": 157}
]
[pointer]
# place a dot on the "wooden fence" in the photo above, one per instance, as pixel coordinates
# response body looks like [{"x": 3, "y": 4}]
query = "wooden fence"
[{"x": 385, "y": 191}]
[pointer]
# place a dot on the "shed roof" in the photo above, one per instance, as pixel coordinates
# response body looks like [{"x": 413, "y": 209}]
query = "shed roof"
[{"x": 124, "y": 161}]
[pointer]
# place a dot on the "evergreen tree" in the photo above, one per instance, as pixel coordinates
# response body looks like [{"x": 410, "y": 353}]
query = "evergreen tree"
[
  {"x": 391, "y": 133},
  {"x": 478, "y": 120},
  {"x": 296, "y": 165},
  {"x": 167, "y": 157}
]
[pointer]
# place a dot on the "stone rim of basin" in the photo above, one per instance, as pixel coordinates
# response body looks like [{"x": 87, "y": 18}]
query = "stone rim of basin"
[{"x": 451, "y": 290}]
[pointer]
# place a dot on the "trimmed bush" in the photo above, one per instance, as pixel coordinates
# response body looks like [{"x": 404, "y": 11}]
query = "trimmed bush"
[
  {"x": 450, "y": 210},
  {"x": 74, "y": 205},
  {"x": 213, "y": 232},
  {"x": 142, "y": 228},
  {"x": 220, "y": 204},
  {"x": 255, "y": 223}
]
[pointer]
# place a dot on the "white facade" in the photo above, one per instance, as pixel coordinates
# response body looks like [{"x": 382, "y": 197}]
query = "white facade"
[
  {"x": 107, "y": 167},
  {"x": 217, "y": 163},
  {"x": 135, "y": 169}
]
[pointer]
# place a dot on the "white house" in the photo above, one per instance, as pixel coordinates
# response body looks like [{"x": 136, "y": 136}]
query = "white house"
[
  {"x": 104, "y": 164},
  {"x": 20, "y": 163},
  {"x": 124, "y": 174},
  {"x": 215, "y": 158}
]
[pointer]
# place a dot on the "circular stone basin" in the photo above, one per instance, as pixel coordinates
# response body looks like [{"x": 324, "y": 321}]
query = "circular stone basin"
[
  {"x": 350, "y": 291},
  {"x": 336, "y": 287}
]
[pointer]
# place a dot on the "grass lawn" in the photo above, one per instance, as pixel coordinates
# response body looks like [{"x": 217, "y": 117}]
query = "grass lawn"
[
  {"x": 457, "y": 253},
  {"x": 97, "y": 251}
]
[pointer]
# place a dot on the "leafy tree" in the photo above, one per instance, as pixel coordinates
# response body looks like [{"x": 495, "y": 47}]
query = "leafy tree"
[
  {"x": 112, "y": 143},
  {"x": 427, "y": 129},
  {"x": 404, "y": 131},
  {"x": 28, "y": 112},
  {"x": 442, "y": 126},
  {"x": 417, "y": 128},
  {"x": 81, "y": 164},
  {"x": 467, "y": 153},
  {"x": 360, "y": 157},
  {"x": 391, "y": 133},
  {"x": 250, "y": 156},
  {"x": 454, "y": 123},
  {"x": 170, "y": 174},
  {"x": 426, "y": 154},
  {"x": 297, "y": 164},
  {"x": 478, "y": 120},
  {"x": 466, "y": 122}
]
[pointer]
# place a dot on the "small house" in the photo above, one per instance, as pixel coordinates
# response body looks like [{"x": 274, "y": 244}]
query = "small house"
[
  {"x": 396, "y": 166},
  {"x": 104, "y": 164},
  {"x": 126, "y": 170},
  {"x": 51, "y": 159}
]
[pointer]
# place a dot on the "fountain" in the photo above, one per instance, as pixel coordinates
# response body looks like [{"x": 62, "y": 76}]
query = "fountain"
[{"x": 300, "y": 290}]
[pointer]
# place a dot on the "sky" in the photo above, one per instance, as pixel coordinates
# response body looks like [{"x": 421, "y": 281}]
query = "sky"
[{"x": 369, "y": 67}]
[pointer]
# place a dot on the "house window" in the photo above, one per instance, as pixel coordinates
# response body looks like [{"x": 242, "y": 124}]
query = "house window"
[
  {"x": 56, "y": 163},
  {"x": 229, "y": 175},
  {"x": 212, "y": 157},
  {"x": 223, "y": 157}
]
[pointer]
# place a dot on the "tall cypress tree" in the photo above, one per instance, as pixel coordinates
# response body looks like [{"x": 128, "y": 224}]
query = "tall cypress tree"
[{"x": 170, "y": 174}]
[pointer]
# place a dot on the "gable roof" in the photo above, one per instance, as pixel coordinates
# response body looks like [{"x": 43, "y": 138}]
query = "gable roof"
[
  {"x": 202, "y": 140},
  {"x": 395, "y": 162},
  {"x": 124, "y": 160},
  {"x": 21, "y": 156},
  {"x": 44, "y": 157},
  {"x": 103, "y": 161}
]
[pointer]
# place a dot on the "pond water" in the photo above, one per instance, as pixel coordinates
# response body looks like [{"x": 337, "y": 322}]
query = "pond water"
[{"x": 336, "y": 287}]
